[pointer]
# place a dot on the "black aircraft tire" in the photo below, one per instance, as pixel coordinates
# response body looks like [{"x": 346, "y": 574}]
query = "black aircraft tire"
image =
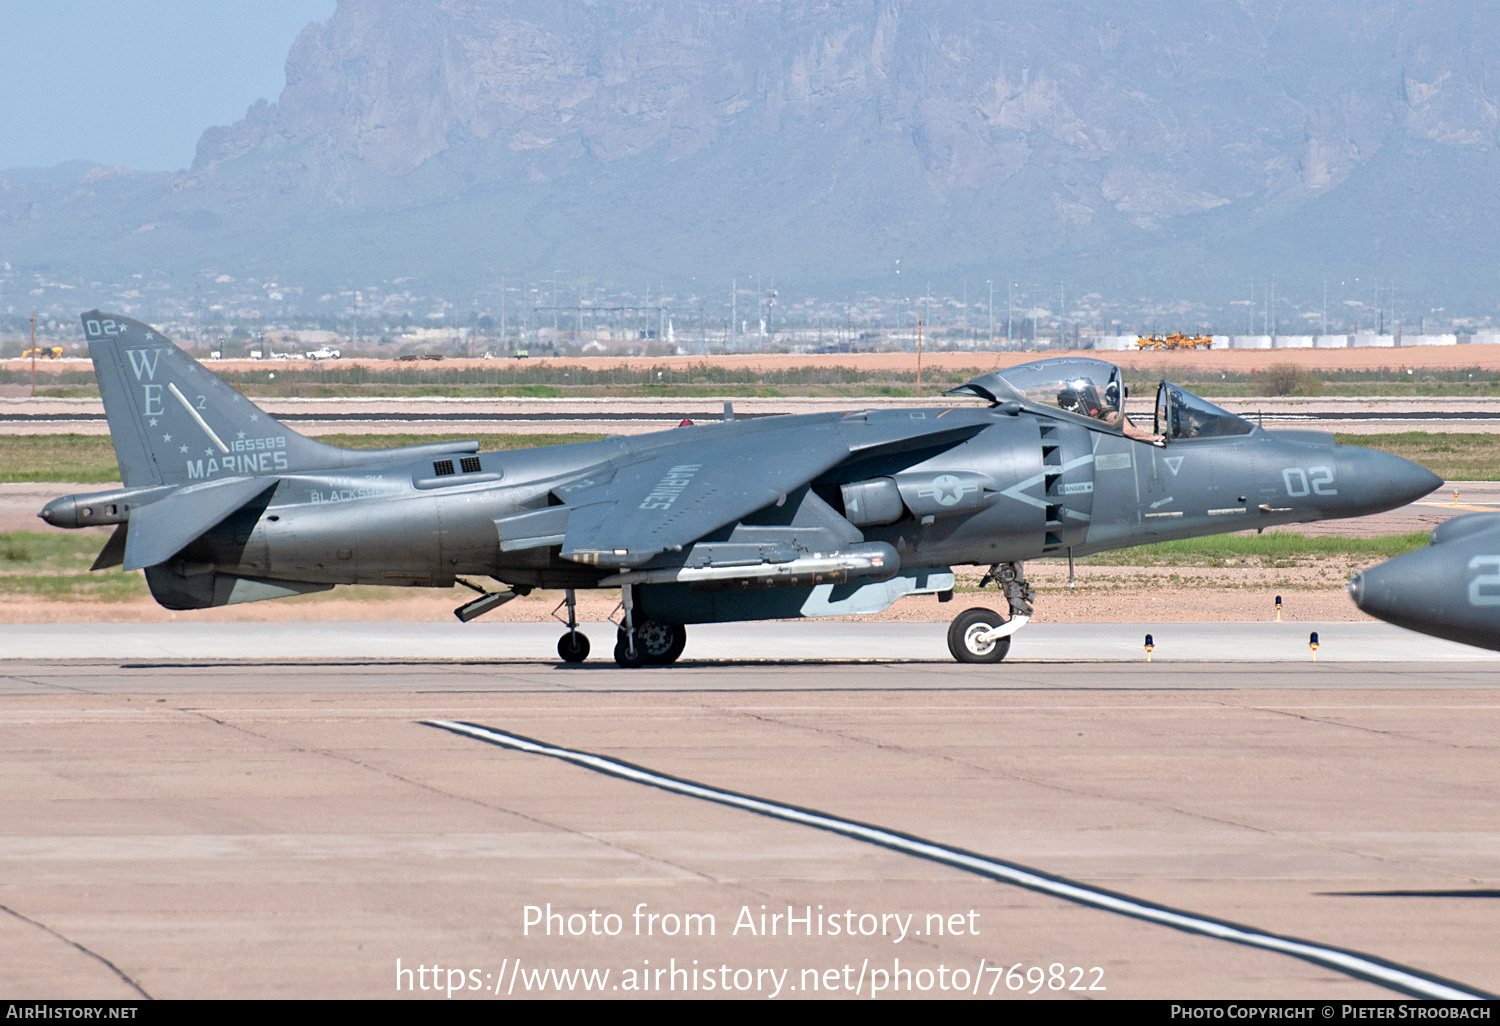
[
  {"x": 573, "y": 647},
  {"x": 661, "y": 643},
  {"x": 623, "y": 659},
  {"x": 969, "y": 623}
]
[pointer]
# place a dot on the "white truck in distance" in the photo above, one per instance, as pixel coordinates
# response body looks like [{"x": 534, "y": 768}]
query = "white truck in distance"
[{"x": 323, "y": 354}]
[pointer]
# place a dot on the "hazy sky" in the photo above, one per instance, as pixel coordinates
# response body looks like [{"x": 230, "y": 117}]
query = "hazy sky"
[{"x": 135, "y": 82}]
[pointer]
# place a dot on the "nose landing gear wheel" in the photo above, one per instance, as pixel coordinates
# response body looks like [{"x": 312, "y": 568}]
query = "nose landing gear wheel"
[
  {"x": 656, "y": 644},
  {"x": 968, "y": 628},
  {"x": 573, "y": 647}
]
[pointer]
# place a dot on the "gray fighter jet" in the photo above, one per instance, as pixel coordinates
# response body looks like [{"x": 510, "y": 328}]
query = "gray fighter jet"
[
  {"x": 1451, "y": 589},
  {"x": 826, "y": 514}
]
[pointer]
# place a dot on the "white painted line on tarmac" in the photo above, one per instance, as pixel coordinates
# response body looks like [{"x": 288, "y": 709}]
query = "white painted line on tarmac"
[{"x": 1400, "y": 978}]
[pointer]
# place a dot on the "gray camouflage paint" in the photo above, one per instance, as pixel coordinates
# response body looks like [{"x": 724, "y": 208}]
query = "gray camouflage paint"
[
  {"x": 225, "y": 504},
  {"x": 1451, "y": 589}
]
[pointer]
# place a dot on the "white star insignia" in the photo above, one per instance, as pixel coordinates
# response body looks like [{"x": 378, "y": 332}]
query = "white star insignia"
[
  {"x": 208, "y": 452},
  {"x": 166, "y": 438},
  {"x": 242, "y": 434},
  {"x": 153, "y": 422},
  {"x": 184, "y": 449},
  {"x": 253, "y": 418}
]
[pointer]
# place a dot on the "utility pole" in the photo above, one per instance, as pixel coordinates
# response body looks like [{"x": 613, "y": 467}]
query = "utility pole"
[
  {"x": 919, "y": 357},
  {"x": 1010, "y": 307},
  {"x": 33, "y": 354},
  {"x": 1325, "y": 306},
  {"x": 991, "y": 284},
  {"x": 502, "y": 311},
  {"x": 734, "y": 310}
]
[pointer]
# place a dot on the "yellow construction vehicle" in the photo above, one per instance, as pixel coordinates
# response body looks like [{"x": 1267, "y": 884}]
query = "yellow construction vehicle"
[
  {"x": 1175, "y": 341},
  {"x": 43, "y": 353}
]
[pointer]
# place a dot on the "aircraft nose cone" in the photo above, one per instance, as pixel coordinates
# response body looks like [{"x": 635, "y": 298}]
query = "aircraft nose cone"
[
  {"x": 1373, "y": 481},
  {"x": 1412, "y": 480},
  {"x": 1387, "y": 591}
]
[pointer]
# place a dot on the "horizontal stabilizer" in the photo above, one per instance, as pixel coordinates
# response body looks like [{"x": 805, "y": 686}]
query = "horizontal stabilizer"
[{"x": 165, "y": 527}]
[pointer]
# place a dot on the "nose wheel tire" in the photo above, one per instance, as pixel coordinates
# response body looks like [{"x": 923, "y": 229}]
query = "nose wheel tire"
[
  {"x": 965, "y": 632},
  {"x": 573, "y": 647},
  {"x": 656, "y": 644}
]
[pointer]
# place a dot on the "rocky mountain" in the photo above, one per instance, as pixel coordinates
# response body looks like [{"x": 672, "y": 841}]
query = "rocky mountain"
[{"x": 1170, "y": 147}]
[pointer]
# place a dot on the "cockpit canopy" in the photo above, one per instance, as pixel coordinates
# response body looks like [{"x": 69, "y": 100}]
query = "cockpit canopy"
[
  {"x": 1092, "y": 389},
  {"x": 1085, "y": 388},
  {"x": 1181, "y": 414}
]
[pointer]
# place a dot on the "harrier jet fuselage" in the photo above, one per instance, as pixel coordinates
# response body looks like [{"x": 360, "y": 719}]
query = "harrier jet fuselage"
[{"x": 825, "y": 514}]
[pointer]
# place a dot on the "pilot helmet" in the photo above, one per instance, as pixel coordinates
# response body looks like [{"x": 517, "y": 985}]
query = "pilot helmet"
[{"x": 1085, "y": 398}]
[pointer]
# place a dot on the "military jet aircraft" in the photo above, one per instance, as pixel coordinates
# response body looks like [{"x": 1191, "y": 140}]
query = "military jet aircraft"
[
  {"x": 826, "y": 514},
  {"x": 1451, "y": 589}
]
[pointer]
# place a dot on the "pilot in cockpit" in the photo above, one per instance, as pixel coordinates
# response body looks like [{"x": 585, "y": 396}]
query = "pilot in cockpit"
[
  {"x": 1081, "y": 396},
  {"x": 1078, "y": 386}
]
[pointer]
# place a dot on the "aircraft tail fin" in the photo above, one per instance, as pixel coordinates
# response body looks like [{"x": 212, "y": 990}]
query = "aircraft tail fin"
[{"x": 174, "y": 422}]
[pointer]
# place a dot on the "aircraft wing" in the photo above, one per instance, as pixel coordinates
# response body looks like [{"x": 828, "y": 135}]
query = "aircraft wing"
[{"x": 677, "y": 495}]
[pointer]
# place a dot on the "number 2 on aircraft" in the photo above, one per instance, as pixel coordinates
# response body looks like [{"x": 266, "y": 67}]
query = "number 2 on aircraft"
[{"x": 1300, "y": 482}]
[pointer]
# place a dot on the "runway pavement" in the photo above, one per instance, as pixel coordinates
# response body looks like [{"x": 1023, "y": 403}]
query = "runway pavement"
[
  {"x": 810, "y": 641},
  {"x": 294, "y": 840}
]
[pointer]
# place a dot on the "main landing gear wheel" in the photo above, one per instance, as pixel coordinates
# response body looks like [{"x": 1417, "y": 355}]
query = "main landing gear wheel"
[
  {"x": 656, "y": 644},
  {"x": 573, "y": 647},
  {"x": 966, "y": 632},
  {"x": 663, "y": 642}
]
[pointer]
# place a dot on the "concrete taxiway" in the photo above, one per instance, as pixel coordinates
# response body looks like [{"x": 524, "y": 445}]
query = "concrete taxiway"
[
  {"x": 744, "y": 643},
  {"x": 265, "y": 827}
]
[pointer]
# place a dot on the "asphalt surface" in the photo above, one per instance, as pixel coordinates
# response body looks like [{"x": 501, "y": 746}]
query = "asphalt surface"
[{"x": 268, "y": 830}]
